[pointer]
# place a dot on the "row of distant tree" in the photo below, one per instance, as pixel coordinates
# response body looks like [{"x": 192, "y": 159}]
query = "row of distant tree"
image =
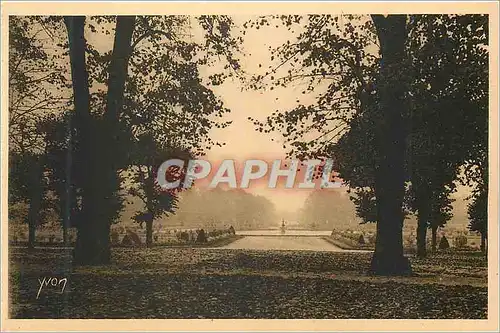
[
  {"x": 327, "y": 210},
  {"x": 334, "y": 209},
  {"x": 218, "y": 209}
]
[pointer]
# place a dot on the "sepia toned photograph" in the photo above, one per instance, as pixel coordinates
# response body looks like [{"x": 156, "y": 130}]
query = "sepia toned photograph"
[{"x": 328, "y": 164}]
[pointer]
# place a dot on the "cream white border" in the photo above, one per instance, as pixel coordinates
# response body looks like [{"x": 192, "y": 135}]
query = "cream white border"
[{"x": 233, "y": 8}]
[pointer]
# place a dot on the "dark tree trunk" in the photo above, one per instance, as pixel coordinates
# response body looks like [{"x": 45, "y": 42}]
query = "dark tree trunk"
[
  {"x": 423, "y": 205},
  {"x": 388, "y": 258},
  {"x": 421, "y": 236},
  {"x": 36, "y": 197},
  {"x": 118, "y": 68},
  {"x": 65, "y": 235},
  {"x": 67, "y": 209},
  {"x": 110, "y": 134},
  {"x": 483, "y": 242},
  {"x": 98, "y": 177},
  {"x": 65, "y": 216},
  {"x": 149, "y": 232},
  {"x": 31, "y": 228},
  {"x": 68, "y": 193},
  {"x": 91, "y": 248},
  {"x": 88, "y": 249},
  {"x": 434, "y": 239},
  {"x": 65, "y": 212}
]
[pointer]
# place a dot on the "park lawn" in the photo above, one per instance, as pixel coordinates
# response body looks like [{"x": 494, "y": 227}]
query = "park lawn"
[{"x": 222, "y": 283}]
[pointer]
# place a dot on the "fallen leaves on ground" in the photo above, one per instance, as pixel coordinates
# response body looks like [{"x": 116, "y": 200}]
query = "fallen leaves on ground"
[{"x": 217, "y": 283}]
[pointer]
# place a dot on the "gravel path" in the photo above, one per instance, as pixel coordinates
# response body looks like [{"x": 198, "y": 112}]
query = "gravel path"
[
  {"x": 287, "y": 233},
  {"x": 283, "y": 243}
]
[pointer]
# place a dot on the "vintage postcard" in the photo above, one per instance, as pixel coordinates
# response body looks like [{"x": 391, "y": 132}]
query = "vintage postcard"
[{"x": 237, "y": 166}]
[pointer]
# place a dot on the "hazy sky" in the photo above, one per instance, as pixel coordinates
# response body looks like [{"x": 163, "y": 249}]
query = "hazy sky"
[{"x": 241, "y": 138}]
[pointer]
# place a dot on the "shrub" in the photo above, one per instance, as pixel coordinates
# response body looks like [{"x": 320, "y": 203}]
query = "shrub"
[
  {"x": 444, "y": 244},
  {"x": 127, "y": 241},
  {"x": 361, "y": 240},
  {"x": 202, "y": 238},
  {"x": 460, "y": 241},
  {"x": 184, "y": 236}
]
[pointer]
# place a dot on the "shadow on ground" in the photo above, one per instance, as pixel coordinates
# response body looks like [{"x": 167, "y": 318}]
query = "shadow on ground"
[{"x": 220, "y": 283}]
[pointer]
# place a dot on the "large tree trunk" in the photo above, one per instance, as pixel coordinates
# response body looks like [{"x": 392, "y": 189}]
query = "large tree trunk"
[
  {"x": 98, "y": 178},
  {"x": 88, "y": 249},
  {"x": 110, "y": 134},
  {"x": 388, "y": 258}
]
